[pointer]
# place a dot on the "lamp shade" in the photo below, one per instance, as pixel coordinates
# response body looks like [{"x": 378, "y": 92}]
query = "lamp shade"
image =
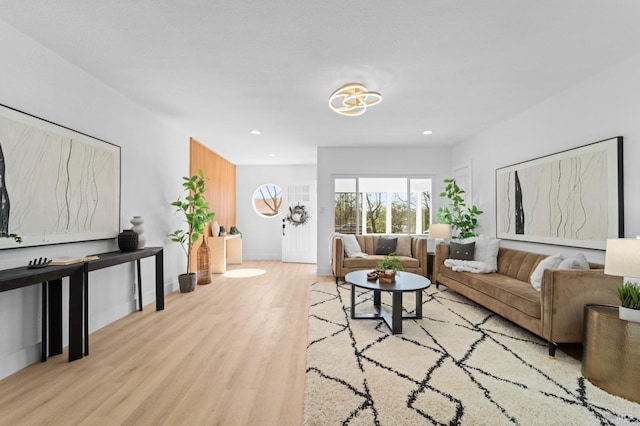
[
  {"x": 622, "y": 257},
  {"x": 439, "y": 230}
]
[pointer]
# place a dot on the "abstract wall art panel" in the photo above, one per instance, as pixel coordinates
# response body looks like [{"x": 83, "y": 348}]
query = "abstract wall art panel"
[
  {"x": 56, "y": 185},
  {"x": 572, "y": 198}
]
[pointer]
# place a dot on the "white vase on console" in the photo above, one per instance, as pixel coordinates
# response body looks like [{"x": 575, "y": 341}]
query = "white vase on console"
[
  {"x": 215, "y": 229},
  {"x": 137, "y": 223}
]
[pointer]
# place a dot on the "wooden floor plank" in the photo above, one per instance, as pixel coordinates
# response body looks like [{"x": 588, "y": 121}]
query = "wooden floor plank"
[{"x": 232, "y": 352}]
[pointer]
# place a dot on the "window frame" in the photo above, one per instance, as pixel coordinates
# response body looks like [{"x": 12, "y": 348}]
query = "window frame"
[{"x": 360, "y": 227}]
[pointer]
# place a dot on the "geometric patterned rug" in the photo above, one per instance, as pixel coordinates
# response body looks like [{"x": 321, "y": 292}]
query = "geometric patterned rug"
[{"x": 459, "y": 364}]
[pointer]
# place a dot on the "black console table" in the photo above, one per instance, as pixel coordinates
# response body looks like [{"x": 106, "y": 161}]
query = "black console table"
[
  {"x": 113, "y": 258},
  {"x": 51, "y": 280}
]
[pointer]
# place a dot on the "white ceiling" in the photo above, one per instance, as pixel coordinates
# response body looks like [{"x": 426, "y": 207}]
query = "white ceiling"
[{"x": 219, "y": 69}]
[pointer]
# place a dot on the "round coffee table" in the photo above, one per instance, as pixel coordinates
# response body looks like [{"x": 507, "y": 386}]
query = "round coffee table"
[{"x": 405, "y": 281}]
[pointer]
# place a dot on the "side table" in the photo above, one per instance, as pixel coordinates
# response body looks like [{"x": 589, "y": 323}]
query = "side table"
[
  {"x": 610, "y": 354},
  {"x": 225, "y": 250},
  {"x": 51, "y": 280}
]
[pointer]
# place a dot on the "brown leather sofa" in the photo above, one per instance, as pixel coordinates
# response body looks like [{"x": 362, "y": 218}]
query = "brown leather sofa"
[
  {"x": 342, "y": 265},
  {"x": 554, "y": 313}
]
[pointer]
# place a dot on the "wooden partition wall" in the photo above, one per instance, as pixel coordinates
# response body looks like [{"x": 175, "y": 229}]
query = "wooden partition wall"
[{"x": 221, "y": 183}]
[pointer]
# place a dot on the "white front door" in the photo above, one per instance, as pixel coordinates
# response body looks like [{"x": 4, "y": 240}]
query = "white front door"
[{"x": 299, "y": 224}]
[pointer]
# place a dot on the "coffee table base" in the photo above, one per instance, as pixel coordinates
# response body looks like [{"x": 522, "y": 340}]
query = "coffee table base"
[{"x": 394, "y": 318}]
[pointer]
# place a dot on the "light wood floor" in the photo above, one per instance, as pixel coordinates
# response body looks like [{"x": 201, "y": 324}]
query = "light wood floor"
[{"x": 232, "y": 352}]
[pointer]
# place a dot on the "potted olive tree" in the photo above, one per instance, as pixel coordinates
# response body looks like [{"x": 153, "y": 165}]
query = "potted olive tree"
[
  {"x": 457, "y": 215},
  {"x": 629, "y": 295},
  {"x": 197, "y": 215}
]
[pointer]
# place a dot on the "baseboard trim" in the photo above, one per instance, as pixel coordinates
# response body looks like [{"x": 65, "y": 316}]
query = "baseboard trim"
[
  {"x": 15, "y": 362},
  {"x": 324, "y": 271}
]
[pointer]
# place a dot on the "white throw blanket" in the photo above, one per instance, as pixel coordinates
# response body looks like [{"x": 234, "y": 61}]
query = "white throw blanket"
[{"x": 468, "y": 266}]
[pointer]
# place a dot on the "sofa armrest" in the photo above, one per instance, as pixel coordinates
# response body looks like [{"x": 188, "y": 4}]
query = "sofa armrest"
[
  {"x": 442, "y": 253},
  {"x": 564, "y": 294},
  {"x": 337, "y": 256},
  {"x": 419, "y": 251}
]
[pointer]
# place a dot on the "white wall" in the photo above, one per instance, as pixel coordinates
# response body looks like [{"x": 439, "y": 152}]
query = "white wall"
[
  {"x": 371, "y": 162},
  {"x": 262, "y": 237},
  {"x": 154, "y": 157},
  {"x": 599, "y": 108}
]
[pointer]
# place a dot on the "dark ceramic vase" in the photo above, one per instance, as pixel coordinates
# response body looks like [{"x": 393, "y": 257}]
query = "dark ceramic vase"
[{"x": 127, "y": 240}]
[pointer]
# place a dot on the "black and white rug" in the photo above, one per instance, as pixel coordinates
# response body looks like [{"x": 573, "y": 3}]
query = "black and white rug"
[{"x": 460, "y": 364}]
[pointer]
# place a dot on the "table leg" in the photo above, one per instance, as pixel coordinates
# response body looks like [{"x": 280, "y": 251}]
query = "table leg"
[
  {"x": 353, "y": 301},
  {"x": 45, "y": 332},
  {"x": 139, "y": 285},
  {"x": 376, "y": 299},
  {"x": 55, "y": 317},
  {"x": 418, "y": 304},
  {"x": 159, "y": 281},
  {"x": 85, "y": 272},
  {"x": 396, "y": 316},
  {"x": 76, "y": 299}
]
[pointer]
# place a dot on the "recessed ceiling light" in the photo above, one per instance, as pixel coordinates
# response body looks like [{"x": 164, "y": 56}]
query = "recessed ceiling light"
[
  {"x": 272, "y": 155},
  {"x": 427, "y": 132},
  {"x": 256, "y": 132}
]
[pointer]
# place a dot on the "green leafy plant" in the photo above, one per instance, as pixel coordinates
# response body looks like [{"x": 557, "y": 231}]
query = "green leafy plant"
[
  {"x": 16, "y": 237},
  {"x": 390, "y": 261},
  {"x": 196, "y": 213},
  {"x": 457, "y": 215},
  {"x": 629, "y": 295}
]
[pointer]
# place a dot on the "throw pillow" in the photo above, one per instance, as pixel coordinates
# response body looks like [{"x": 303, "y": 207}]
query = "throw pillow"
[
  {"x": 548, "y": 262},
  {"x": 403, "y": 248},
  {"x": 486, "y": 250},
  {"x": 351, "y": 246},
  {"x": 461, "y": 251},
  {"x": 577, "y": 261},
  {"x": 386, "y": 245}
]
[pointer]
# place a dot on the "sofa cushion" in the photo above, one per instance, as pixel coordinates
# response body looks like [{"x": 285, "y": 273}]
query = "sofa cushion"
[
  {"x": 386, "y": 245},
  {"x": 370, "y": 262},
  {"x": 368, "y": 243},
  {"x": 462, "y": 251},
  {"x": 403, "y": 248},
  {"x": 518, "y": 264},
  {"x": 510, "y": 291}
]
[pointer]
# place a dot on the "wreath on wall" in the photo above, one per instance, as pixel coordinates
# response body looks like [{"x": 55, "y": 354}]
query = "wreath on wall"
[{"x": 298, "y": 215}]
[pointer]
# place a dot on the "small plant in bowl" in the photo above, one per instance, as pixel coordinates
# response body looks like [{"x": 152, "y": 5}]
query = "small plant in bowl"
[
  {"x": 389, "y": 264},
  {"x": 629, "y": 295}
]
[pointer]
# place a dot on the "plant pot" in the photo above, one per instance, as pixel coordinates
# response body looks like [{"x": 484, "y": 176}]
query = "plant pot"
[
  {"x": 629, "y": 314},
  {"x": 187, "y": 282},
  {"x": 387, "y": 276}
]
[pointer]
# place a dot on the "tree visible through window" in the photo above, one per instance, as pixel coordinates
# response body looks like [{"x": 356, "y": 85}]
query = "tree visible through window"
[
  {"x": 346, "y": 212},
  {"x": 385, "y": 205},
  {"x": 376, "y": 212}
]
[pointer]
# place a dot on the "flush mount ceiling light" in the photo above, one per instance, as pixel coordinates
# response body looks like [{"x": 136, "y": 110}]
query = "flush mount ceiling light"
[{"x": 353, "y": 99}]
